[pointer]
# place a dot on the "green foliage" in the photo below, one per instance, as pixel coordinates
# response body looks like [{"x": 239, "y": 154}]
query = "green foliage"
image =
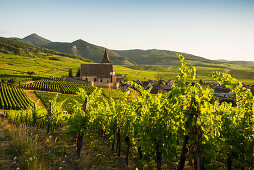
[
  {"x": 82, "y": 114},
  {"x": 69, "y": 100},
  {"x": 70, "y": 73},
  {"x": 169, "y": 126},
  {"x": 78, "y": 73},
  {"x": 39, "y": 117},
  {"x": 13, "y": 98},
  {"x": 113, "y": 93},
  {"x": 237, "y": 122}
]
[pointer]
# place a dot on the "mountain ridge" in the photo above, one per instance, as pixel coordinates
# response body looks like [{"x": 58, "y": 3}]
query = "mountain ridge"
[
  {"x": 17, "y": 56},
  {"x": 35, "y": 39},
  {"x": 124, "y": 57},
  {"x": 18, "y": 47}
]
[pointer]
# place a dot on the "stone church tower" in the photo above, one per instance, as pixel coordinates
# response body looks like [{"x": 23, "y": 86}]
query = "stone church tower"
[{"x": 105, "y": 59}]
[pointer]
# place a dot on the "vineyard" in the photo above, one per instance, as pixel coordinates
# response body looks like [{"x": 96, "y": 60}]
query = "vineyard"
[
  {"x": 113, "y": 93},
  {"x": 58, "y": 86},
  {"x": 69, "y": 100},
  {"x": 163, "y": 130},
  {"x": 13, "y": 98},
  {"x": 70, "y": 88}
]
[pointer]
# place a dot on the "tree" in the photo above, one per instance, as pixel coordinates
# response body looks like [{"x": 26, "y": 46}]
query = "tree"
[
  {"x": 12, "y": 81},
  {"x": 78, "y": 73},
  {"x": 201, "y": 82},
  {"x": 70, "y": 73}
]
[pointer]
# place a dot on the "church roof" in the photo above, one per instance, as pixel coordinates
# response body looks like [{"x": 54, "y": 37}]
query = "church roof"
[
  {"x": 105, "y": 59},
  {"x": 99, "y": 70}
]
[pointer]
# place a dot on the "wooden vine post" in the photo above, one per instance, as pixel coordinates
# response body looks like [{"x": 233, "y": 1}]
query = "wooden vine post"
[
  {"x": 81, "y": 134},
  {"x": 48, "y": 116}
]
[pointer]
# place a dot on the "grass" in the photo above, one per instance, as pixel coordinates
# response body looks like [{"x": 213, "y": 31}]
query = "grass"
[
  {"x": 31, "y": 148},
  {"x": 23, "y": 147}
]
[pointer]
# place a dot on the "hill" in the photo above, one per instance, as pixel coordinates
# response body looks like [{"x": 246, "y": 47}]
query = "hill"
[
  {"x": 36, "y": 40},
  {"x": 123, "y": 57},
  {"x": 160, "y": 57},
  {"x": 78, "y": 48},
  {"x": 87, "y": 50},
  {"x": 40, "y": 65},
  {"x": 17, "y": 47},
  {"x": 249, "y": 64},
  {"x": 57, "y": 66},
  {"x": 20, "y": 57},
  {"x": 126, "y": 57}
]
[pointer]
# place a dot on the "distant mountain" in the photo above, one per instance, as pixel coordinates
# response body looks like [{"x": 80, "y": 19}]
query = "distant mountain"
[
  {"x": 15, "y": 38},
  {"x": 17, "y": 47},
  {"x": 36, "y": 40},
  {"x": 249, "y": 64},
  {"x": 160, "y": 57},
  {"x": 87, "y": 50},
  {"x": 123, "y": 57},
  {"x": 222, "y": 60}
]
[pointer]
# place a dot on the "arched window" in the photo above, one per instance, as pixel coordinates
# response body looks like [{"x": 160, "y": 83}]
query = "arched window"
[
  {"x": 94, "y": 79},
  {"x": 101, "y": 79}
]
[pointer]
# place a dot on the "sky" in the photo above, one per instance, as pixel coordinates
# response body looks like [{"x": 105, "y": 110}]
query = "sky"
[{"x": 214, "y": 29}]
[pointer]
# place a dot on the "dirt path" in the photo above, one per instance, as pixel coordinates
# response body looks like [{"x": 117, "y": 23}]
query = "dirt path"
[
  {"x": 56, "y": 92},
  {"x": 35, "y": 61},
  {"x": 28, "y": 82},
  {"x": 6, "y": 158},
  {"x": 1, "y": 112},
  {"x": 32, "y": 96},
  {"x": 227, "y": 71}
]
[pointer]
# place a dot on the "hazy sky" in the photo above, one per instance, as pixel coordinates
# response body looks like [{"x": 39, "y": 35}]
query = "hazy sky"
[{"x": 215, "y": 29}]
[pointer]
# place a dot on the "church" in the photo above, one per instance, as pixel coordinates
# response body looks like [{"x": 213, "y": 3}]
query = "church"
[{"x": 99, "y": 75}]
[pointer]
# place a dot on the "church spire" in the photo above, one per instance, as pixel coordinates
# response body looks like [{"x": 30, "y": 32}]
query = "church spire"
[{"x": 105, "y": 59}]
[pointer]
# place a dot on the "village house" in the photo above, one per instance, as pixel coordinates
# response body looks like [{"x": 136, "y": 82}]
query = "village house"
[{"x": 224, "y": 93}]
